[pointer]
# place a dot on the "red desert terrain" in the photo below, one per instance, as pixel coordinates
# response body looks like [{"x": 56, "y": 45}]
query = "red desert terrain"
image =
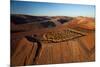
[{"x": 50, "y": 40}]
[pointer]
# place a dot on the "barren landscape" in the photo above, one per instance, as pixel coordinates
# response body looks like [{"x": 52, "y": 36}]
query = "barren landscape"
[{"x": 39, "y": 40}]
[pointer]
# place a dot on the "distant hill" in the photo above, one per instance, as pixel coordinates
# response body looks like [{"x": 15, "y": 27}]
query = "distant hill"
[
  {"x": 21, "y": 22},
  {"x": 83, "y": 22}
]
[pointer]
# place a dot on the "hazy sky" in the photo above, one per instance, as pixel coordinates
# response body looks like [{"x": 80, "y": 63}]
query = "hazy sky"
[{"x": 51, "y": 9}]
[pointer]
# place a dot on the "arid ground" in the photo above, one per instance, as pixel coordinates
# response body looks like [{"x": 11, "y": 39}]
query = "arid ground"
[{"x": 39, "y": 40}]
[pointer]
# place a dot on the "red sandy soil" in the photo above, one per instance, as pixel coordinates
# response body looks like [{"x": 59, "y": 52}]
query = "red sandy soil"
[
  {"x": 26, "y": 52},
  {"x": 83, "y": 22}
]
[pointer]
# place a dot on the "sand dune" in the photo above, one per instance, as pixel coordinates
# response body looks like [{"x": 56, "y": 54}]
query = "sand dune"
[
  {"x": 49, "y": 40},
  {"x": 83, "y": 22}
]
